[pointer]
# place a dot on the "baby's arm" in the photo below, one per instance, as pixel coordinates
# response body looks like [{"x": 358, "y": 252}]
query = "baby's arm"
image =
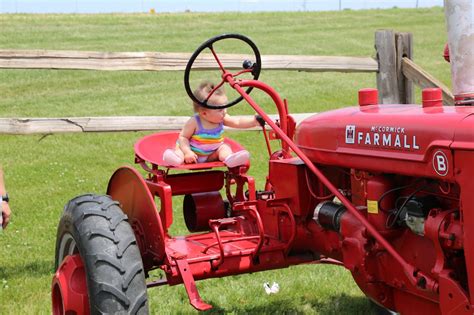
[
  {"x": 183, "y": 140},
  {"x": 241, "y": 123}
]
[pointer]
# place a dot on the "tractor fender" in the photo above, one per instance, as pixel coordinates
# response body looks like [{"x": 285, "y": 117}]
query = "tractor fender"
[{"x": 129, "y": 188}]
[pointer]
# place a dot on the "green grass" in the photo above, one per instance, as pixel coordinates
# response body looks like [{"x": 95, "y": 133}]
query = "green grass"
[{"x": 42, "y": 173}]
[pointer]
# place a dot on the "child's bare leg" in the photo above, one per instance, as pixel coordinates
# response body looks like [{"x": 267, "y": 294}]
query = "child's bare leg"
[
  {"x": 179, "y": 153},
  {"x": 223, "y": 152},
  {"x": 232, "y": 159},
  {"x": 173, "y": 157},
  {"x": 220, "y": 154}
]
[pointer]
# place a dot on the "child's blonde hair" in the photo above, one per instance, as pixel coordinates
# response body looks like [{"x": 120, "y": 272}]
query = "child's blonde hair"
[{"x": 202, "y": 92}]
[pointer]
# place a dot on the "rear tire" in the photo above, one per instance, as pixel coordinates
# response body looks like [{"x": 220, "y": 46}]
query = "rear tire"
[{"x": 96, "y": 228}]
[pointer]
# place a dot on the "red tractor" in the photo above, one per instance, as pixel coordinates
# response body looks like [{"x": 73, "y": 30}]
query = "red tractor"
[{"x": 383, "y": 190}]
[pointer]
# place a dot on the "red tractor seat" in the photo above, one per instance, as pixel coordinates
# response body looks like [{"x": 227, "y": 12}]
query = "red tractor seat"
[{"x": 150, "y": 149}]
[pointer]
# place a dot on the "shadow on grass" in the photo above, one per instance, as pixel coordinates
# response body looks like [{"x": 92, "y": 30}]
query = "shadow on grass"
[
  {"x": 32, "y": 269},
  {"x": 336, "y": 304}
]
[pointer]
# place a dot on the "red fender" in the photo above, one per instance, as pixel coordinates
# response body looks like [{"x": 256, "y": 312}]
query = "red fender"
[{"x": 129, "y": 188}]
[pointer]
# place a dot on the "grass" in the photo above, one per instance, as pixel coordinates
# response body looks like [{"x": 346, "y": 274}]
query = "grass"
[{"x": 42, "y": 173}]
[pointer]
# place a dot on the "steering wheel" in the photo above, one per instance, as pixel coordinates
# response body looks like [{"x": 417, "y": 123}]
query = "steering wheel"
[{"x": 248, "y": 67}]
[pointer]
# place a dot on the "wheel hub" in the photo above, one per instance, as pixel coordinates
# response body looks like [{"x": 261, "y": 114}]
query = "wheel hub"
[{"x": 69, "y": 288}]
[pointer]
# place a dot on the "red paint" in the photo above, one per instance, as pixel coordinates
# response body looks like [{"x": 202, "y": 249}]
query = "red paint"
[
  {"x": 446, "y": 53},
  {"x": 370, "y": 160},
  {"x": 368, "y": 97},
  {"x": 432, "y": 97},
  {"x": 69, "y": 290},
  {"x": 267, "y": 231}
]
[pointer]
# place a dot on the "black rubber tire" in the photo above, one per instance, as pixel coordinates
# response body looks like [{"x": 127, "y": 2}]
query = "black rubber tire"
[{"x": 96, "y": 228}]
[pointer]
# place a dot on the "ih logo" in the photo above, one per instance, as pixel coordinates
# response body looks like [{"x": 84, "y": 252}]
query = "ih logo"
[
  {"x": 440, "y": 163},
  {"x": 350, "y": 133}
]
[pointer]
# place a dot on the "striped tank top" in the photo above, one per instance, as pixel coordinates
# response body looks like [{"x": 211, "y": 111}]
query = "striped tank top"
[{"x": 205, "y": 141}]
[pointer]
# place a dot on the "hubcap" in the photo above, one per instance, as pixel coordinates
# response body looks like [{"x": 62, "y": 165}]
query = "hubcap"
[{"x": 69, "y": 287}]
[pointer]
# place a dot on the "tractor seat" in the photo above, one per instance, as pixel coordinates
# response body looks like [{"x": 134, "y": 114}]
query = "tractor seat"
[{"x": 150, "y": 149}]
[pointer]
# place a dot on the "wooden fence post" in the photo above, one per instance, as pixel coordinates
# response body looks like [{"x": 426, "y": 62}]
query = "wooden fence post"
[
  {"x": 404, "y": 42},
  {"x": 387, "y": 81}
]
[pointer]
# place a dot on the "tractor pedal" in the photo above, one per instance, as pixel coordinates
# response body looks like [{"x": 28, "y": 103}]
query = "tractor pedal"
[
  {"x": 225, "y": 221},
  {"x": 190, "y": 285}
]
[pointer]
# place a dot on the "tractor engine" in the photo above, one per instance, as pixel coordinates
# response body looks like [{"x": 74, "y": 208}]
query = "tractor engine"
[{"x": 408, "y": 169}]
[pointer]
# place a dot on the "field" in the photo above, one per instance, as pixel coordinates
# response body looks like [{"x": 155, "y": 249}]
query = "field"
[{"x": 44, "y": 171}]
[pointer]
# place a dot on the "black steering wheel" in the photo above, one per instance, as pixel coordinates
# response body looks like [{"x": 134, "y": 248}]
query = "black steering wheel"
[{"x": 248, "y": 66}]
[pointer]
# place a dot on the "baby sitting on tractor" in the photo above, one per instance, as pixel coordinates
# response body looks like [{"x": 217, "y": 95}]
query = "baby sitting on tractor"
[{"x": 201, "y": 139}]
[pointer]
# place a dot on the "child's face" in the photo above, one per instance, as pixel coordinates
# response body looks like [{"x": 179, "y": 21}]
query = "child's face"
[{"x": 215, "y": 116}]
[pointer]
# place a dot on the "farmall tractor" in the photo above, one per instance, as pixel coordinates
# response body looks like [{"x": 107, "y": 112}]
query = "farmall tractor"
[{"x": 387, "y": 191}]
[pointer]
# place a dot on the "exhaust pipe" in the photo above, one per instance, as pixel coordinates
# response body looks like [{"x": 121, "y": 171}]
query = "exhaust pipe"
[{"x": 459, "y": 20}]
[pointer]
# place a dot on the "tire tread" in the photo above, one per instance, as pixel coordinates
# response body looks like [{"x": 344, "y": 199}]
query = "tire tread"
[{"x": 107, "y": 244}]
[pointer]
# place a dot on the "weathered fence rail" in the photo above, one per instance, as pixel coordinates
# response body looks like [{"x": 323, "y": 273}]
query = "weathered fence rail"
[
  {"x": 156, "y": 61},
  {"x": 23, "y": 126},
  {"x": 423, "y": 79},
  {"x": 395, "y": 70}
]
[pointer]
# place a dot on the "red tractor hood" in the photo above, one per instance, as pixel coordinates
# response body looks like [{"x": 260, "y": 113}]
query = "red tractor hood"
[{"x": 389, "y": 138}]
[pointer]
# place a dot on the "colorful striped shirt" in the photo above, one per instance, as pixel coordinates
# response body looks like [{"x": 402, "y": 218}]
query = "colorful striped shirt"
[{"x": 205, "y": 141}]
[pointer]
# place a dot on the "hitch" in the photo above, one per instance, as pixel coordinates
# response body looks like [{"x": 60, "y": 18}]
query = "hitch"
[{"x": 190, "y": 285}]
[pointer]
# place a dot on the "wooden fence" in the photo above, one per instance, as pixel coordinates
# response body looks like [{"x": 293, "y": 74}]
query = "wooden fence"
[
  {"x": 155, "y": 61},
  {"x": 396, "y": 73},
  {"x": 103, "y": 124}
]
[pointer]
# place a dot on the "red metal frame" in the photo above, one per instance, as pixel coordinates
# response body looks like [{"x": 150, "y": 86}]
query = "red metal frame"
[
  {"x": 263, "y": 232},
  {"x": 343, "y": 157},
  {"x": 411, "y": 272}
]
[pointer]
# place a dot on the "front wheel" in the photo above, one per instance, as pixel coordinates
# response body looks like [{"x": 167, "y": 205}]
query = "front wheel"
[{"x": 97, "y": 254}]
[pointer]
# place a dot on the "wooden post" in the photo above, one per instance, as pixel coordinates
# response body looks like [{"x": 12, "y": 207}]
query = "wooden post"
[
  {"x": 387, "y": 80},
  {"x": 404, "y": 42}
]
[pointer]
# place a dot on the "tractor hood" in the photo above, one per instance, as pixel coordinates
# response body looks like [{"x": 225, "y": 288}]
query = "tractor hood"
[{"x": 387, "y": 138}]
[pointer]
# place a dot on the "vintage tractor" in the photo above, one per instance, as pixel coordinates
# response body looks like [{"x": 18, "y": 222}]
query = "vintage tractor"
[{"x": 384, "y": 190}]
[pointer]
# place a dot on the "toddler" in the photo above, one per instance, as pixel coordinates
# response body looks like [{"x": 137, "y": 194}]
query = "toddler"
[{"x": 201, "y": 139}]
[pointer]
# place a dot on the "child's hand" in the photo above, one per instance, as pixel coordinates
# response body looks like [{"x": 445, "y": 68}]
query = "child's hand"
[{"x": 190, "y": 157}]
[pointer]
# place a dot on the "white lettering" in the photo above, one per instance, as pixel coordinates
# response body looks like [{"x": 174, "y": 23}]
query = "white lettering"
[
  {"x": 441, "y": 163},
  {"x": 367, "y": 138},
  {"x": 397, "y": 141},
  {"x": 382, "y": 136},
  {"x": 415, "y": 146},
  {"x": 376, "y": 139},
  {"x": 406, "y": 145},
  {"x": 387, "y": 129}
]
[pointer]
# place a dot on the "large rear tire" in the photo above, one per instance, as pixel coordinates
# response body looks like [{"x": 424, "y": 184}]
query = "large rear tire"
[{"x": 96, "y": 228}]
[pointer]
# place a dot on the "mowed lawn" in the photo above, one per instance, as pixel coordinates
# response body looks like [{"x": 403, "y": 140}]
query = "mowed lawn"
[{"x": 44, "y": 172}]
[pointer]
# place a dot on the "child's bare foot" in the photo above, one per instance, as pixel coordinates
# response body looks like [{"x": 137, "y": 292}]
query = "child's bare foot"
[
  {"x": 237, "y": 158},
  {"x": 171, "y": 158}
]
